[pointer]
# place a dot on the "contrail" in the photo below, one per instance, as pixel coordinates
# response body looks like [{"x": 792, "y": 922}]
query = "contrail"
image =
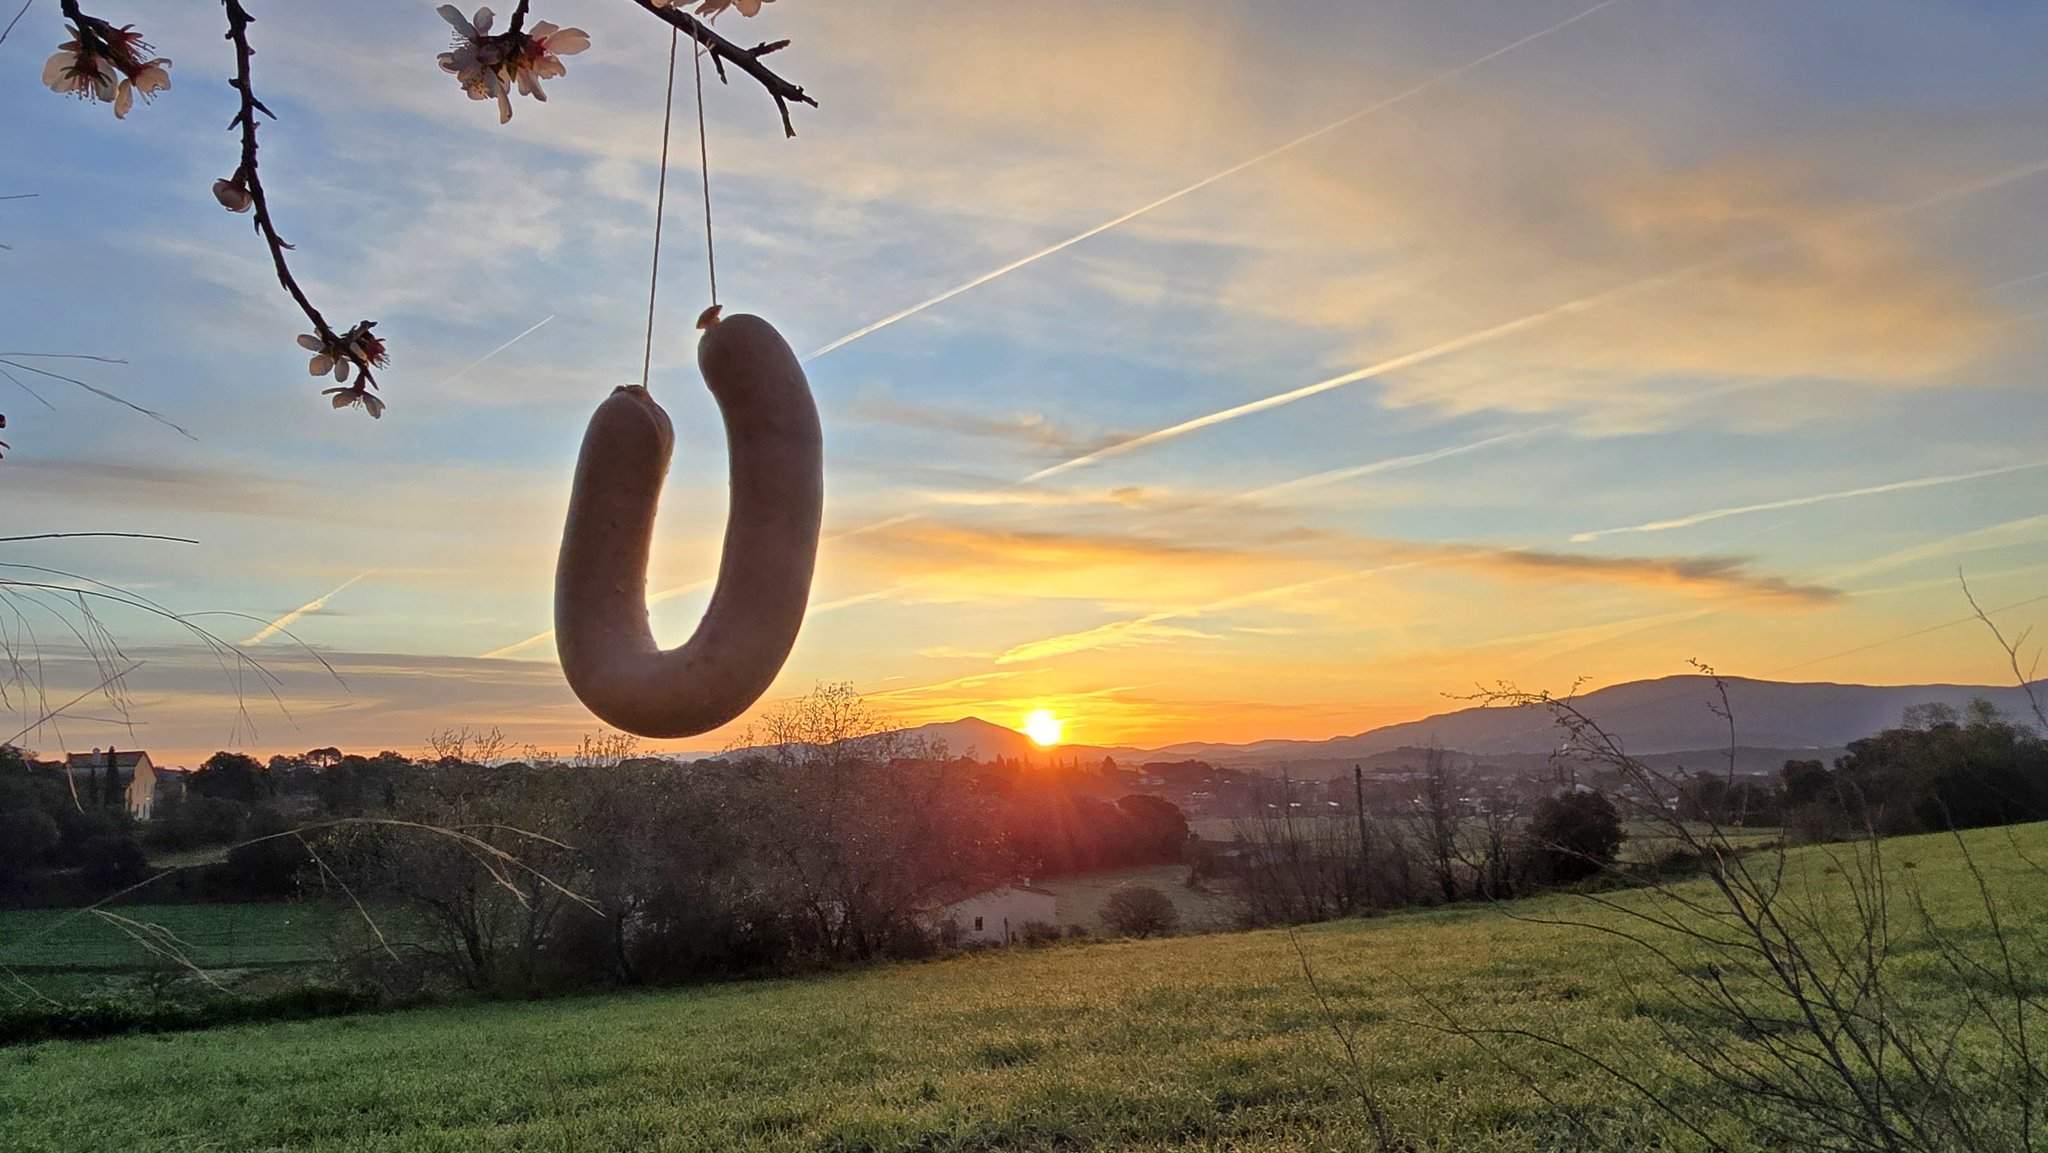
[
  {"x": 1522, "y": 323},
  {"x": 653, "y": 598},
  {"x": 1406, "y": 360},
  {"x": 472, "y": 365},
  {"x": 312, "y": 606},
  {"x": 1197, "y": 186},
  {"x": 1802, "y": 501},
  {"x": 1389, "y": 464}
]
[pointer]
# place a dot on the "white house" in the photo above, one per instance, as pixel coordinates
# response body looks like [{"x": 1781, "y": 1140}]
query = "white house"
[
  {"x": 996, "y": 916},
  {"x": 141, "y": 775}
]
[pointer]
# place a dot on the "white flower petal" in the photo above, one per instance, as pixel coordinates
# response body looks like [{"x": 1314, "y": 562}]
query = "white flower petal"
[
  {"x": 568, "y": 42},
  {"x": 319, "y": 365},
  {"x": 154, "y": 77},
  {"x": 309, "y": 342},
  {"x": 483, "y": 21},
  {"x": 458, "y": 21},
  {"x": 56, "y": 70}
]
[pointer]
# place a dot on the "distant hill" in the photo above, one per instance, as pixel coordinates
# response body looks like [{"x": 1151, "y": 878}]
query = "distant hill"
[
  {"x": 1668, "y": 718},
  {"x": 1667, "y": 715},
  {"x": 986, "y": 740}
]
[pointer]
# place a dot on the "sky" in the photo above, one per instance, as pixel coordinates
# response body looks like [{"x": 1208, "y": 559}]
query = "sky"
[{"x": 1435, "y": 344}]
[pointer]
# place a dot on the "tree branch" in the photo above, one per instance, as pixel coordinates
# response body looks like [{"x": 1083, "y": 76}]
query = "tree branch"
[
  {"x": 747, "y": 60},
  {"x": 250, "y": 179}
]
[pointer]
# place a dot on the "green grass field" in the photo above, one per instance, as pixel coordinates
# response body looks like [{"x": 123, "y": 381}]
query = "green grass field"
[
  {"x": 1211, "y": 1042},
  {"x": 214, "y": 936}
]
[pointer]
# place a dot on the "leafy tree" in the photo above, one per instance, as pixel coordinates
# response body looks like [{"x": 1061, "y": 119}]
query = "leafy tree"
[
  {"x": 1806, "y": 782},
  {"x": 1944, "y": 768},
  {"x": 1576, "y": 834},
  {"x": 27, "y": 835},
  {"x": 1140, "y": 911},
  {"x": 234, "y": 776},
  {"x": 1158, "y": 830}
]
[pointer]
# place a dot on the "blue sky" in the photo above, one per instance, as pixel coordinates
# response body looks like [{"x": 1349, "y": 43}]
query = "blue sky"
[{"x": 1668, "y": 259}]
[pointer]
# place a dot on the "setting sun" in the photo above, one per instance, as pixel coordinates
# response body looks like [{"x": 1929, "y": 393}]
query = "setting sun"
[{"x": 1043, "y": 728}]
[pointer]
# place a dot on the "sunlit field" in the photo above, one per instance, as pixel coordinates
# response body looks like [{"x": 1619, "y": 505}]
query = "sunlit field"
[{"x": 1201, "y": 1042}]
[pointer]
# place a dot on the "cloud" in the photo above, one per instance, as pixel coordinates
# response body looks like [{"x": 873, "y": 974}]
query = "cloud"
[
  {"x": 2006, "y": 534},
  {"x": 1184, "y": 191},
  {"x": 1708, "y": 575},
  {"x": 1029, "y": 429},
  {"x": 1714, "y": 577}
]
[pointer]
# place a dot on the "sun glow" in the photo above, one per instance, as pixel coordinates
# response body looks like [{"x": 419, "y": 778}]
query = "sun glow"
[{"x": 1043, "y": 728}]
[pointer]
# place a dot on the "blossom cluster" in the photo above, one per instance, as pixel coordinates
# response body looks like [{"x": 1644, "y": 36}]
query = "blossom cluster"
[
  {"x": 105, "y": 64},
  {"x": 490, "y": 67},
  {"x": 359, "y": 347}
]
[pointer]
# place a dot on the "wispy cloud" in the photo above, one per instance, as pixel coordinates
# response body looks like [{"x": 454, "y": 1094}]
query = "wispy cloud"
[
  {"x": 2006, "y": 534},
  {"x": 1407, "y": 93},
  {"x": 1530, "y": 321},
  {"x": 1714, "y": 514},
  {"x": 312, "y": 606},
  {"x": 1719, "y": 577},
  {"x": 1031, "y": 429},
  {"x": 1155, "y": 626},
  {"x": 1716, "y": 575}
]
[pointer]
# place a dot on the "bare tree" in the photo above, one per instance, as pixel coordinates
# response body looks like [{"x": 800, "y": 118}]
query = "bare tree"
[
  {"x": 469, "y": 745},
  {"x": 1439, "y": 820}
]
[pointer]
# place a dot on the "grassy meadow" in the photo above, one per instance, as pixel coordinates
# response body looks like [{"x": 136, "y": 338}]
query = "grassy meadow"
[{"x": 1204, "y": 1042}]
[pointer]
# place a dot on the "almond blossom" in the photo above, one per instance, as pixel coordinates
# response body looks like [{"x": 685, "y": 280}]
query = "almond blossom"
[
  {"x": 101, "y": 63},
  {"x": 356, "y": 394},
  {"x": 489, "y": 67},
  {"x": 233, "y": 194},
  {"x": 358, "y": 347}
]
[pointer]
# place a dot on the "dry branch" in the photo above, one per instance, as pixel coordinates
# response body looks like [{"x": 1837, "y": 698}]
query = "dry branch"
[{"x": 747, "y": 60}]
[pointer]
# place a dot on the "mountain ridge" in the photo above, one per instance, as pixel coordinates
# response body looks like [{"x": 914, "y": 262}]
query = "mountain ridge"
[{"x": 1657, "y": 717}]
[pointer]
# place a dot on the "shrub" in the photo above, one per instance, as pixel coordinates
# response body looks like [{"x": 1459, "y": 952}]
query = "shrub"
[
  {"x": 1038, "y": 933},
  {"x": 113, "y": 861},
  {"x": 1140, "y": 911},
  {"x": 113, "y": 1016},
  {"x": 268, "y": 865},
  {"x": 1077, "y": 932},
  {"x": 191, "y": 822},
  {"x": 1576, "y": 834}
]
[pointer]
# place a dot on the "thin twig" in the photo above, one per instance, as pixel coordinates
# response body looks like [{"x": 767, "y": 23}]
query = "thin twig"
[
  {"x": 747, "y": 60},
  {"x": 53, "y": 713},
  {"x": 151, "y": 413},
  {"x": 2012, "y": 652},
  {"x": 73, "y": 535},
  {"x": 4, "y": 32}
]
